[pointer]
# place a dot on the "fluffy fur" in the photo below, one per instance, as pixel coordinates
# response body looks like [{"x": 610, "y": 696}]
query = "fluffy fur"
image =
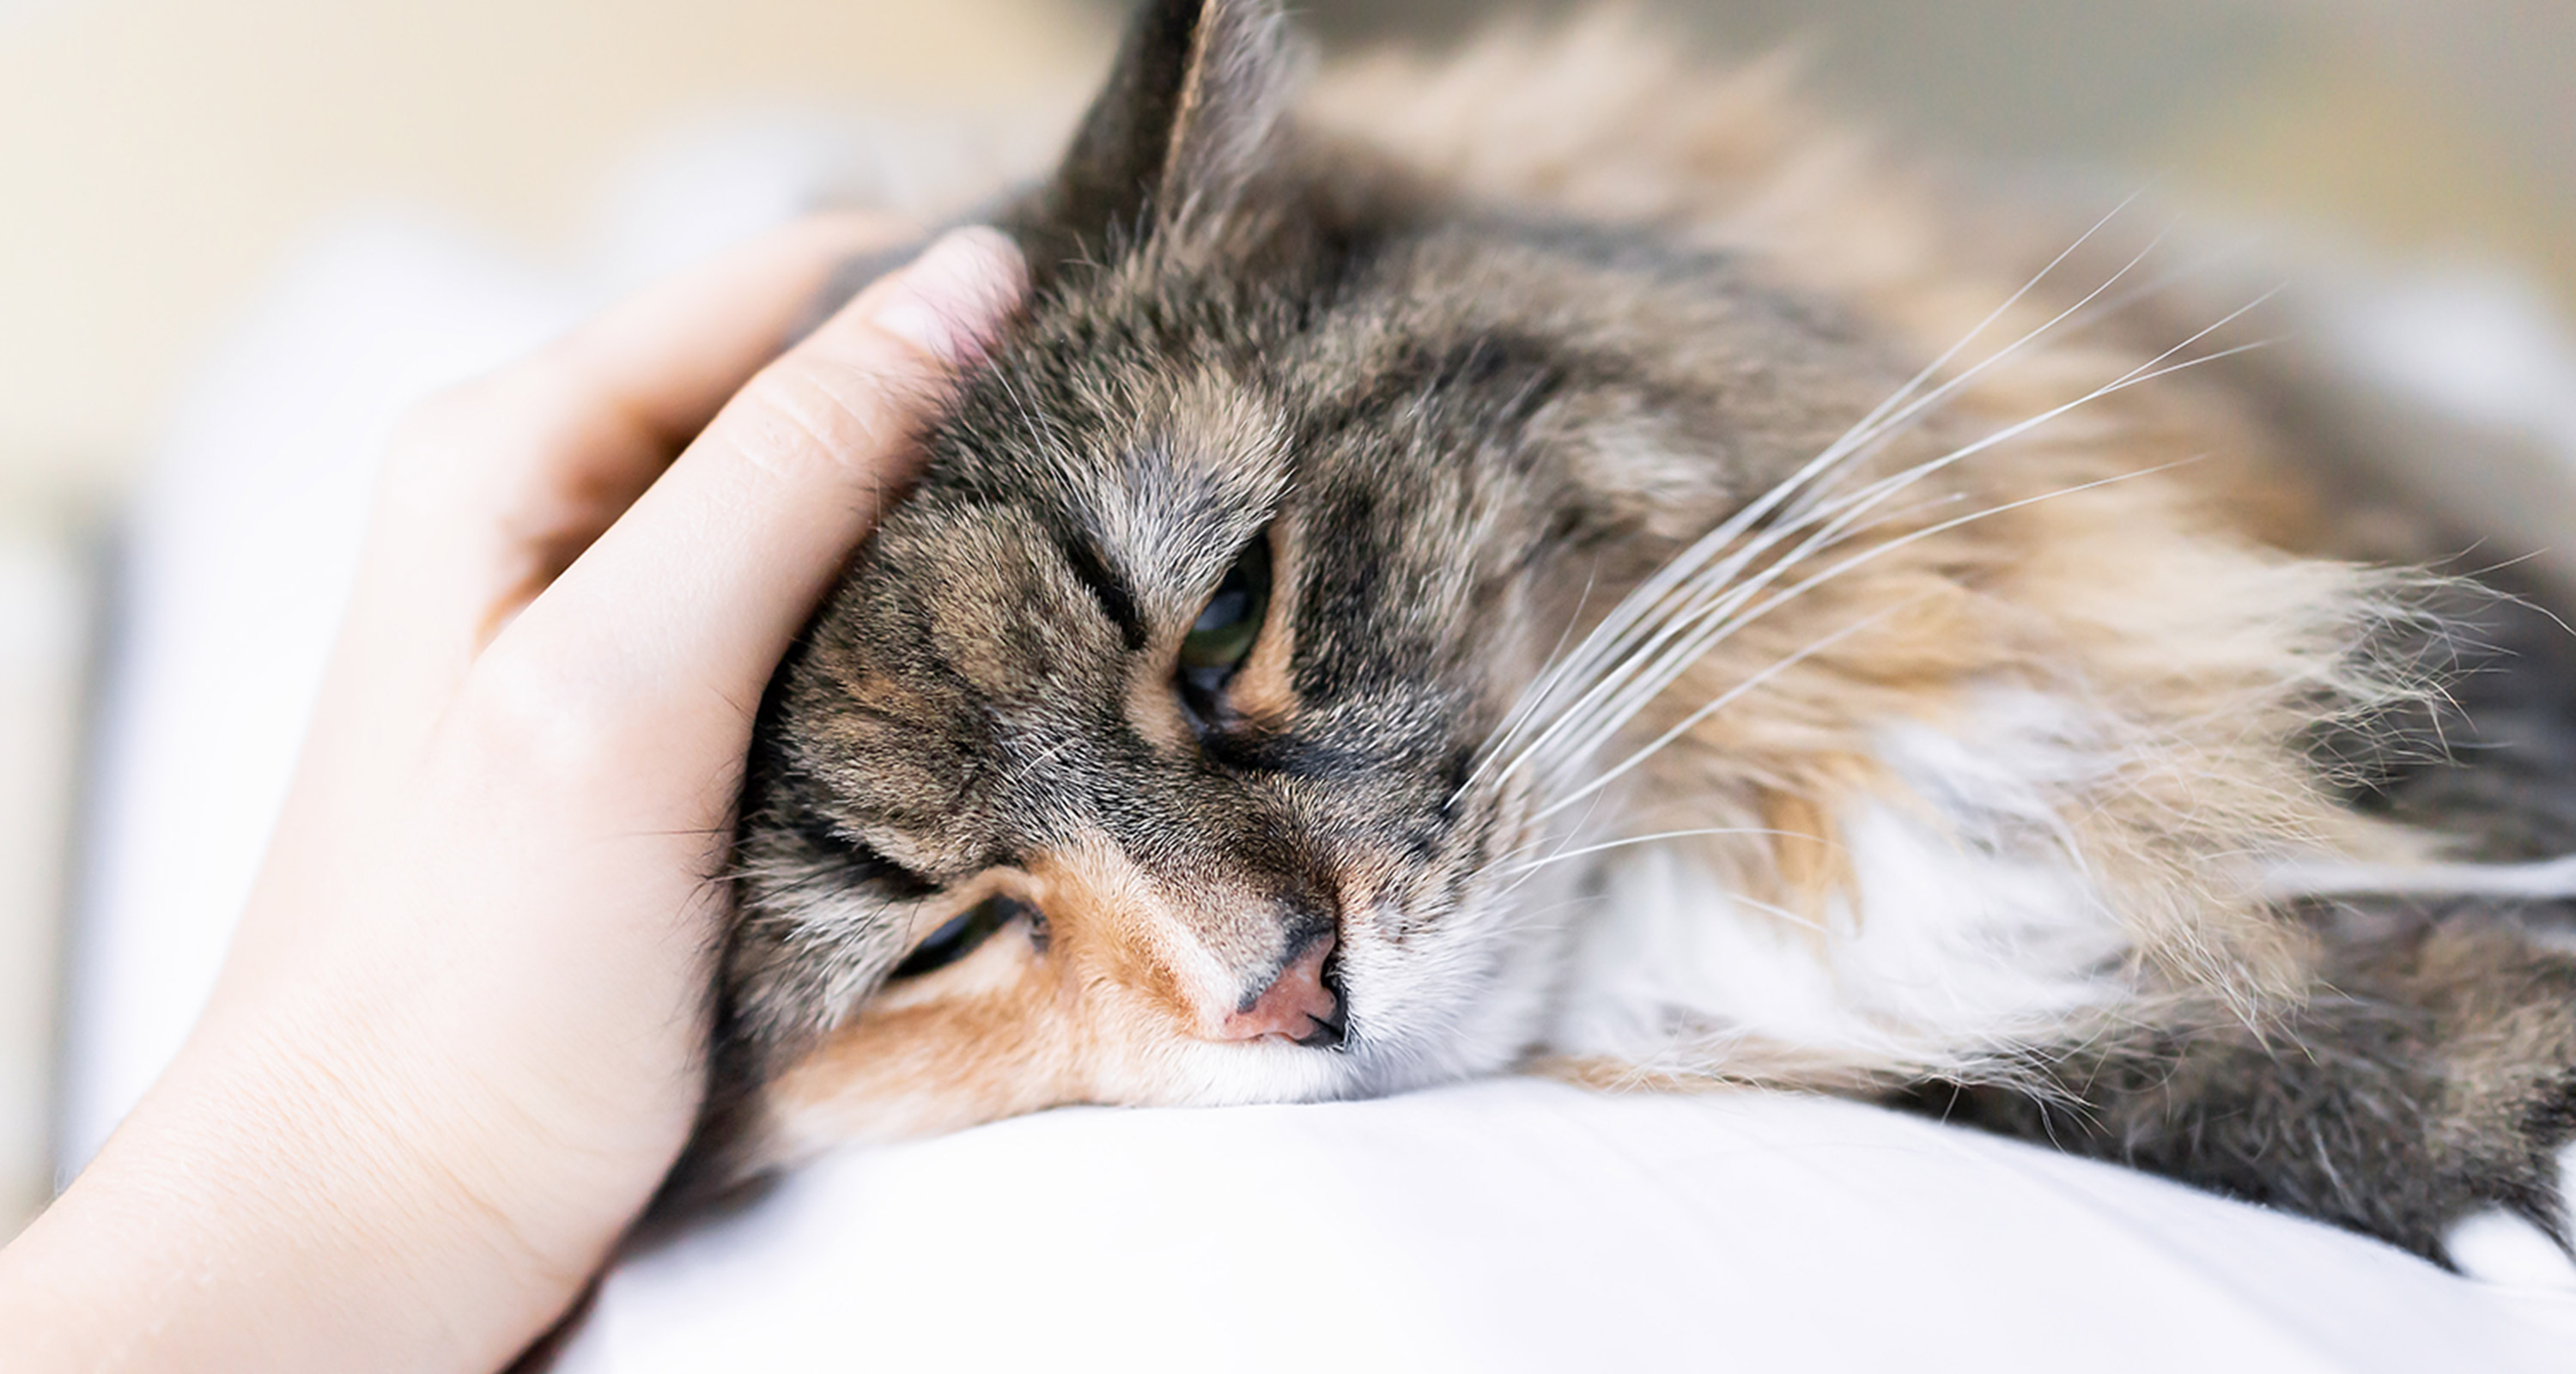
[{"x": 1735, "y": 618}]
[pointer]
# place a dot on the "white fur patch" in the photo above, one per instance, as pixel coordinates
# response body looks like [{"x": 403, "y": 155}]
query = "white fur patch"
[
  {"x": 1973, "y": 927},
  {"x": 2501, "y": 1248}
]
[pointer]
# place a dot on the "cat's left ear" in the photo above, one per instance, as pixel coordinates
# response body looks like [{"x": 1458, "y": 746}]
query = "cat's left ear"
[{"x": 1183, "y": 124}]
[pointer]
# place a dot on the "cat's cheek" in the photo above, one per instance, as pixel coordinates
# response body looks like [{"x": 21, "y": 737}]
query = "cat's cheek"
[{"x": 971, "y": 1051}]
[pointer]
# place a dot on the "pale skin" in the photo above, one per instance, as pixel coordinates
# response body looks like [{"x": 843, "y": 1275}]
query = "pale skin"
[{"x": 458, "y": 1038}]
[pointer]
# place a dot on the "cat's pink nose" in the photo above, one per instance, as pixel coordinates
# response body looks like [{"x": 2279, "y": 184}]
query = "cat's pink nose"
[{"x": 1299, "y": 1005}]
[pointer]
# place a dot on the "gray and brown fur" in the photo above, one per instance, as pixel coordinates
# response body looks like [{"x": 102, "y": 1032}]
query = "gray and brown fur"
[{"x": 1478, "y": 347}]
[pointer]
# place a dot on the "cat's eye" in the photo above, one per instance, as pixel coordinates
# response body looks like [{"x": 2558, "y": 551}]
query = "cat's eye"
[
  {"x": 963, "y": 935},
  {"x": 1223, "y": 636}
]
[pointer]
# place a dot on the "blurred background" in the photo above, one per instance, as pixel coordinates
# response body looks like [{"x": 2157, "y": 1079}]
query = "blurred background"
[{"x": 173, "y": 169}]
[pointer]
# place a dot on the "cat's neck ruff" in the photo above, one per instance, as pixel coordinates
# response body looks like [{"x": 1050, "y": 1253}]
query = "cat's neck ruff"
[{"x": 1965, "y": 931}]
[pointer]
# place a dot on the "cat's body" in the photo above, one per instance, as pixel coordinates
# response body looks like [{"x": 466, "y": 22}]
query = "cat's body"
[{"x": 1507, "y": 561}]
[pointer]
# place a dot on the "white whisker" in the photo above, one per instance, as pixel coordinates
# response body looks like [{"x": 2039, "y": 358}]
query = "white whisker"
[
  {"x": 1530, "y": 700},
  {"x": 1723, "y": 700},
  {"x": 1808, "y": 584},
  {"x": 1685, "y": 581},
  {"x": 1782, "y": 912},
  {"x": 1666, "y": 667},
  {"x": 2165, "y": 281},
  {"x": 1655, "y": 839},
  {"x": 1899, "y": 422}
]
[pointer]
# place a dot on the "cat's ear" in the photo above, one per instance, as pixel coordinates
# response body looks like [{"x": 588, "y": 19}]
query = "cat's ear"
[{"x": 1182, "y": 124}]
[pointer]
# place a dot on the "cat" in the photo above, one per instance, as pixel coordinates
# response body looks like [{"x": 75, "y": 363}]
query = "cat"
[{"x": 1553, "y": 559}]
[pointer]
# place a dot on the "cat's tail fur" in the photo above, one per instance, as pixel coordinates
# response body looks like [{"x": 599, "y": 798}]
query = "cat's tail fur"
[{"x": 2427, "y": 1076}]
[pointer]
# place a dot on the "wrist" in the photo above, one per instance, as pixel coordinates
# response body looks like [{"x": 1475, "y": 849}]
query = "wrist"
[{"x": 265, "y": 1208}]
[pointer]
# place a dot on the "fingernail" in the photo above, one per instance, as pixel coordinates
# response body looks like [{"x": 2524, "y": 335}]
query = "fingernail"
[{"x": 949, "y": 302}]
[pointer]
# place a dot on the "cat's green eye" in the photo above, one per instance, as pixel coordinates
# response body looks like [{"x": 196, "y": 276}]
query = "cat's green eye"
[
  {"x": 962, "y": 936},
  {"x": 1223, "y": 636}
]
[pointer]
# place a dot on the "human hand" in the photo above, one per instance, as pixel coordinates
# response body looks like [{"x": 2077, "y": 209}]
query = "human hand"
[{"x": 458, "y": 1039}]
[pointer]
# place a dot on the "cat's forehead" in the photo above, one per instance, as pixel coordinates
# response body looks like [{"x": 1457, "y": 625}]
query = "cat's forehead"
[
  {"x": 976, "y": 673},
  {"x": 1158, "y": 467}
]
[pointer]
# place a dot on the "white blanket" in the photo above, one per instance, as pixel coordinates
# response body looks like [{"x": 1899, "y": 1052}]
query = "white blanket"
[
  {"x": 1522, "y": 1225},
  {"x": 1513, "y": 1225}
]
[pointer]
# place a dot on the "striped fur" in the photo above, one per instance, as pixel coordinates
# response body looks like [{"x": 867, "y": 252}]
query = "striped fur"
[{"x": 1687, "y": 661}]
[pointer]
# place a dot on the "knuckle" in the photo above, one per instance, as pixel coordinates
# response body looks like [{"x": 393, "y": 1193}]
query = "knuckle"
[
  {"x": 431, "y": 430},
  {"x": 461, "y": 429},
  {"x": 543, "y": 722},
  {"x": 462, "y": 408},
  {"x": 830, "y": 413}
]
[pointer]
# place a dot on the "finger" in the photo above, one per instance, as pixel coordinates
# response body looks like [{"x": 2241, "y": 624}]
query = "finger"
[
  {"x": 546, "y": 452},
  {"x": 669, "y": 357},
  {"x": 712, "y": 572}
]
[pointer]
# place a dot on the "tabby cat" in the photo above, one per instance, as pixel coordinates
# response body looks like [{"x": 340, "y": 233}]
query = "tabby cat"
[{"x": 1554, "y": 559}]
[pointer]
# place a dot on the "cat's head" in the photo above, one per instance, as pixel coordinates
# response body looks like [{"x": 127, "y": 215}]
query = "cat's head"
[{"x": 1143, "y": 755}]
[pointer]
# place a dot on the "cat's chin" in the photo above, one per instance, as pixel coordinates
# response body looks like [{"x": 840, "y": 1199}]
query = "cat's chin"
[{"x": 790, "y": 1131}]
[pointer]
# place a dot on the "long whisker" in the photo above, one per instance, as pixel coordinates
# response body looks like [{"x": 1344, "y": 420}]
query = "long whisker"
[
  {"x": 2165, "y": 281},
  {"x": 1623, "y": 704},
  {"x": 1899, "y": 422},
  {"x": 1670, "y": 662},
  {"x": 1716, "y": 593},
  {"x": 1646, "y": 677},
  {"x": 1684, "y": 580},
  {"x": 1723, "y": 700},
  {"x": 1658, "y": 838},
  {"x": 1530, "y": 700},
  {"x": 1606, "y": 641},
  {"x": 1765, "y": 907},
  {"x": 1689, "y": 722},
  {"x": 1782, "y": 912},
  {"x": 1645, "y": 674},
  {"x": 1634, "y": 682},
  {"x": 1570, "y": 835},
  {"x": 1872, "y": 420}
]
